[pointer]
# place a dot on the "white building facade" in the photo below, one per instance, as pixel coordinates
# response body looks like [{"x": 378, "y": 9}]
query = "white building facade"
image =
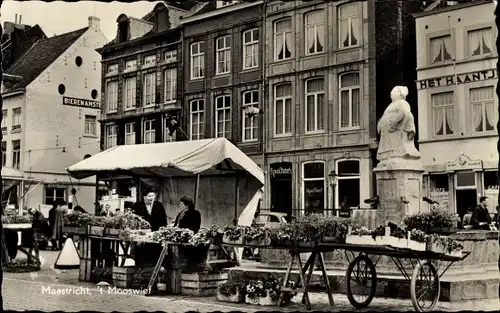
[
  {"x": 458, "y": 107},
  {"x": 51, "y": 114}
]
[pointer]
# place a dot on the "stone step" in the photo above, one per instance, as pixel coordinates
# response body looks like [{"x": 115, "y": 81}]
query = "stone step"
[{"x": 458, "y": 287}]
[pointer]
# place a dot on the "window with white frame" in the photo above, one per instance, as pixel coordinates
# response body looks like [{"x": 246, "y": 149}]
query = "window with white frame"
[
  {"x": 484, "y": 110},
  {"x": 480, "y": 41},
  {"x": 223, "y": 55},
  {"x": 170, "y": 56},
  {"x": 197, "y": 60},
  {"x": 90, "y": 125},
  {"x": 149, "y": 90},
  {"x": 130, "y": 133},
  {"x": 197, "y": 119},
  {"x": 112, "y": 96},
  {"x": 443, "y": 113},
  {"x": 315, "y": 104},
  {"x": 112, "y": 69},
  {"x": 16, "y": 154},
  {"x": 54, "y": 194},
  {"x": 5, "y": 114},
  {"x": 315, "y": 32},
  {"x": 283, "y": 39},
  {"x": 283, "y": 109},
  {"x": 131, "y": 65},
  {"x": 16, "y": 118},
  {"x": 441, "y": 49},
  {"x": 349, "y": 100},
  {"x": 223, "y": 116},
  {"x": 313, "y": 187},
  {"x": 166, "y": 136},
  {"x": 348, "y": 184},
  {"x": 149, "y": 131},
  {"x": 111, "y": 136},
  {"x": 349, "y": 25},
  {"x": 250, "y": 49},
  {"x": 4, "y": 153},
  {"x": 129, "y": 94},
  {"x": 170, "y": 78},
  {"x": 250, "y": 99},
  {"x": 150, "y": 60}
]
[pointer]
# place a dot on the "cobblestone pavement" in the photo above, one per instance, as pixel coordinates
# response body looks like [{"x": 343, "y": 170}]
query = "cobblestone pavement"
[{"x": 25, "y": 291}]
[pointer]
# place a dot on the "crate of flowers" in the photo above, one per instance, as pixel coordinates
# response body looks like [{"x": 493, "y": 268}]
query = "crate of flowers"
[
  {"x": 77, "y": 223},
  {"x": 417, "y": 240},
  {"x": 233, "y": 292},
  {"x": 444, "y": 245},
  {"x": 360, "y": 236},
  {"x": 398, "y": 236},
  {"x": 15, "y": 221},
  {"x": 436, "y": 221},
  {"x": 115, "y": 224},
  {"x": 234, "y": 235},
  {"x": 96, "y": 226},
  {"x": 256, "y": 237},
  {"x": 216, "y": 233},
  {"x": 266, "y": 292}
]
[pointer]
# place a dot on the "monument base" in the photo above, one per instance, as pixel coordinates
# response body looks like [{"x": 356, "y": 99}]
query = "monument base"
[{"x": 399, "y": 186}]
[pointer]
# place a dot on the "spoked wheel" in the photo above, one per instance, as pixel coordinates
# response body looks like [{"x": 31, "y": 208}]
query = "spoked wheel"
[
  {"x": 361, "y": 282},
  {"x": 425, "y": 287}
]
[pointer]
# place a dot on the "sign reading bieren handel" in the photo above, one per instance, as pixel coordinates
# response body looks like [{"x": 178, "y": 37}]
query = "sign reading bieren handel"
[
  {"x": 81, "y": 103},
  {"x": 458, "y": 79}
]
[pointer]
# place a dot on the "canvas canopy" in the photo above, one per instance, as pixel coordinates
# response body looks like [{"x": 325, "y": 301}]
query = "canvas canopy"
[
  {"x": 161, "y": 160},
  {"x": 11, "y": 174}
]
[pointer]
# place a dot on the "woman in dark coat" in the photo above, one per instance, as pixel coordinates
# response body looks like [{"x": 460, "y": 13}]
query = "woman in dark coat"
[{"x": 189, "y": 217}]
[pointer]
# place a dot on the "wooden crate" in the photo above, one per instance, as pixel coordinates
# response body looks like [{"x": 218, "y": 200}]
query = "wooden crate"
[
  {"x": 75, "y": 230},
  {"x": 203, "y": 284},
  {"x": 112, "y": 232},
  {"x": 96, "y": 231},
  {"x": 122, "y": 276},
  {"x": 172, "y": 279}
]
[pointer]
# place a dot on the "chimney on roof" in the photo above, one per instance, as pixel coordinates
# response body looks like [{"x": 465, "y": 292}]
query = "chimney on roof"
[
  {"x": 20, "y": 17},
  {"x": 94, "y": 22}
]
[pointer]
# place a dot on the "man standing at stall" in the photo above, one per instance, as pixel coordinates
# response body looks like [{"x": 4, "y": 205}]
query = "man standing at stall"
[
  {"x": 151, "y": 210},
  {"x": 481, "y": 218}
]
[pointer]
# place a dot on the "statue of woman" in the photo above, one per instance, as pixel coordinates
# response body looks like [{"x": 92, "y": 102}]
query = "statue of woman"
[{"x": 397, "y": 129}]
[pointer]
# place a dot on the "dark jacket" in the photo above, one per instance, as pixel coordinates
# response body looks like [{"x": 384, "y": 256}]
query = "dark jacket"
[
  {"x": 480, "y": 215},
  {"x": 158, "y": 216},
  {"x": 190, "y": 219}
]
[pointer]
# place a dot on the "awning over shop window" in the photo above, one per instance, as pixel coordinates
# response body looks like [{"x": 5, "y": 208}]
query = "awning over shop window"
[
  {"x": 11, "y": 173},
  {"x": 184, "y": 158}
]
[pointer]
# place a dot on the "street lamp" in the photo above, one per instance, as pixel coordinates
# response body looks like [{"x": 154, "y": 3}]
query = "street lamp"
[{"x": 333, "y": 178}]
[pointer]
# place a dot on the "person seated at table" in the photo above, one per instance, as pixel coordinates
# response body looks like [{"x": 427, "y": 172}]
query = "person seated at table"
[
  {"x": 188, "y": 217},
  {"x": 481, "y": 218},
  {"x": 151, "y": 210}
]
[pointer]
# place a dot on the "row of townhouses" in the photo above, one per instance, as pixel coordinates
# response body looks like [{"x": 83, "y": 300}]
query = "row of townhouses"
[{"x": 320, "y": 73}]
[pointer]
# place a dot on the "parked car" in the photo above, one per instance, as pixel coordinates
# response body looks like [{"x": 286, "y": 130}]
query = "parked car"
[{"x": 270, "y": 219}]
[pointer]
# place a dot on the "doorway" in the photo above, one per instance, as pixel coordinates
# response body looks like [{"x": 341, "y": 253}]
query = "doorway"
[
  {"x": 465, "y": 199},
  {"x": 281, "y": 196}
]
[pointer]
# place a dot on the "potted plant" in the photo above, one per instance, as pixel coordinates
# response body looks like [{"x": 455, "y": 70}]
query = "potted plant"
[
  {"x": 121, "y": 221},
  {"x": 254, "y": 290},
  {"x": 232, "y": 292},
  {"x": 417, "y": 240},
  {"x": 360, "y": 236},
  {"x": 398, "y": 236},
  {"x": 256, "y": 236},
  {"x": 76, "y": 223},
  {"x": 379, "y": 235},
  {"x": 17, "y": 221},
  {"x": 216, "y": 233},
  {"x": 233, "y": 234},
  {"x": 96, "y": 226}
]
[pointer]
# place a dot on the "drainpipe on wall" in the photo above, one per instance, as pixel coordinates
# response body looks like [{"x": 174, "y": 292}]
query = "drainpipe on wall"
[
  {"x": 1, "y": 182},
  {"x": 497, "y": 23},
  {"x": 264, "y": 115}
]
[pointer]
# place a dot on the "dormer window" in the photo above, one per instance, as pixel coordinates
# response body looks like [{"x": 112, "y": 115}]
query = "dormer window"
[
  {"x": 112, "y": 69},
  {"x": 123, "y": 31},
  {"x": 221, "y": 4},
  {"x": 170, "y": 56},
  {"x": 150, "y": 60},
  {"x": 131, "y": 65}
]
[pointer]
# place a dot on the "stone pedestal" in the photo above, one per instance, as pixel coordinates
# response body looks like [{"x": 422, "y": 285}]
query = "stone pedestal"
[{"x": 399, "y": 187}]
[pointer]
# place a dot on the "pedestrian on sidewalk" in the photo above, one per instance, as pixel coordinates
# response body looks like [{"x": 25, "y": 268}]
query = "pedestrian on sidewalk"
[{"x": 56, "y": 217}]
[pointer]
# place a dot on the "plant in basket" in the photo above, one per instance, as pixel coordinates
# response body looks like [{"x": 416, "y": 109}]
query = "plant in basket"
[
  {"x": 172, "y": 235},
  {"x": 418, "y": 235},
  {"x": 449, "y": 244},
  {"x": 232, "y": 291},
  {"x": 281, "y": 235},
  {"x": 201, "y": 238},
  {"x": 256, "y": 236},
  {"x": 233, "y": 234}
]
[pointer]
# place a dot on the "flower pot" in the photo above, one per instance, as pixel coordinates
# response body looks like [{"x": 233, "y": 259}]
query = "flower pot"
[
  {"x": 112, "y": 232},
  {"x": 96, "y": 231},
  {"x": 416, "y": 245},
  {"x": 265, "y": 301},
  {"x": 360, "y": 240},
  {"x": 252, "y": 300},
  {"x": 227, "y": 240},
  {"x": 236, "y": 298}
]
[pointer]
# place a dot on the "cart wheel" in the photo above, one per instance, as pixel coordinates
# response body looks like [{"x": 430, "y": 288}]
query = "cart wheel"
[
  {"x": 425, "y": 287},
  {"x": 361, "y": 282}
]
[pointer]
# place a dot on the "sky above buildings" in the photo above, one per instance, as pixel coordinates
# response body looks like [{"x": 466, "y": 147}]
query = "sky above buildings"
[{"x": 59, "y": 17}]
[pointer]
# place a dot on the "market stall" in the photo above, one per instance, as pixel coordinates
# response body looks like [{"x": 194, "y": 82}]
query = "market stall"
[{"x": 222, "y": 179}]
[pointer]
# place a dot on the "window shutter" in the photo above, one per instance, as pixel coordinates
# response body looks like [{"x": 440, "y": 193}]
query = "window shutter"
[{"x": 103, "y": 136}]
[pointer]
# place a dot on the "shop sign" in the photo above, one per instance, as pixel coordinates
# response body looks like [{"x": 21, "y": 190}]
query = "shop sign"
[
  {"x": 314, "y": 190},
  {"x": 81, "y": 103},
  {"x": 463, "y": 162},
  {"x": 457, "y": 79},
  {"x": 281, "y": 170}
]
